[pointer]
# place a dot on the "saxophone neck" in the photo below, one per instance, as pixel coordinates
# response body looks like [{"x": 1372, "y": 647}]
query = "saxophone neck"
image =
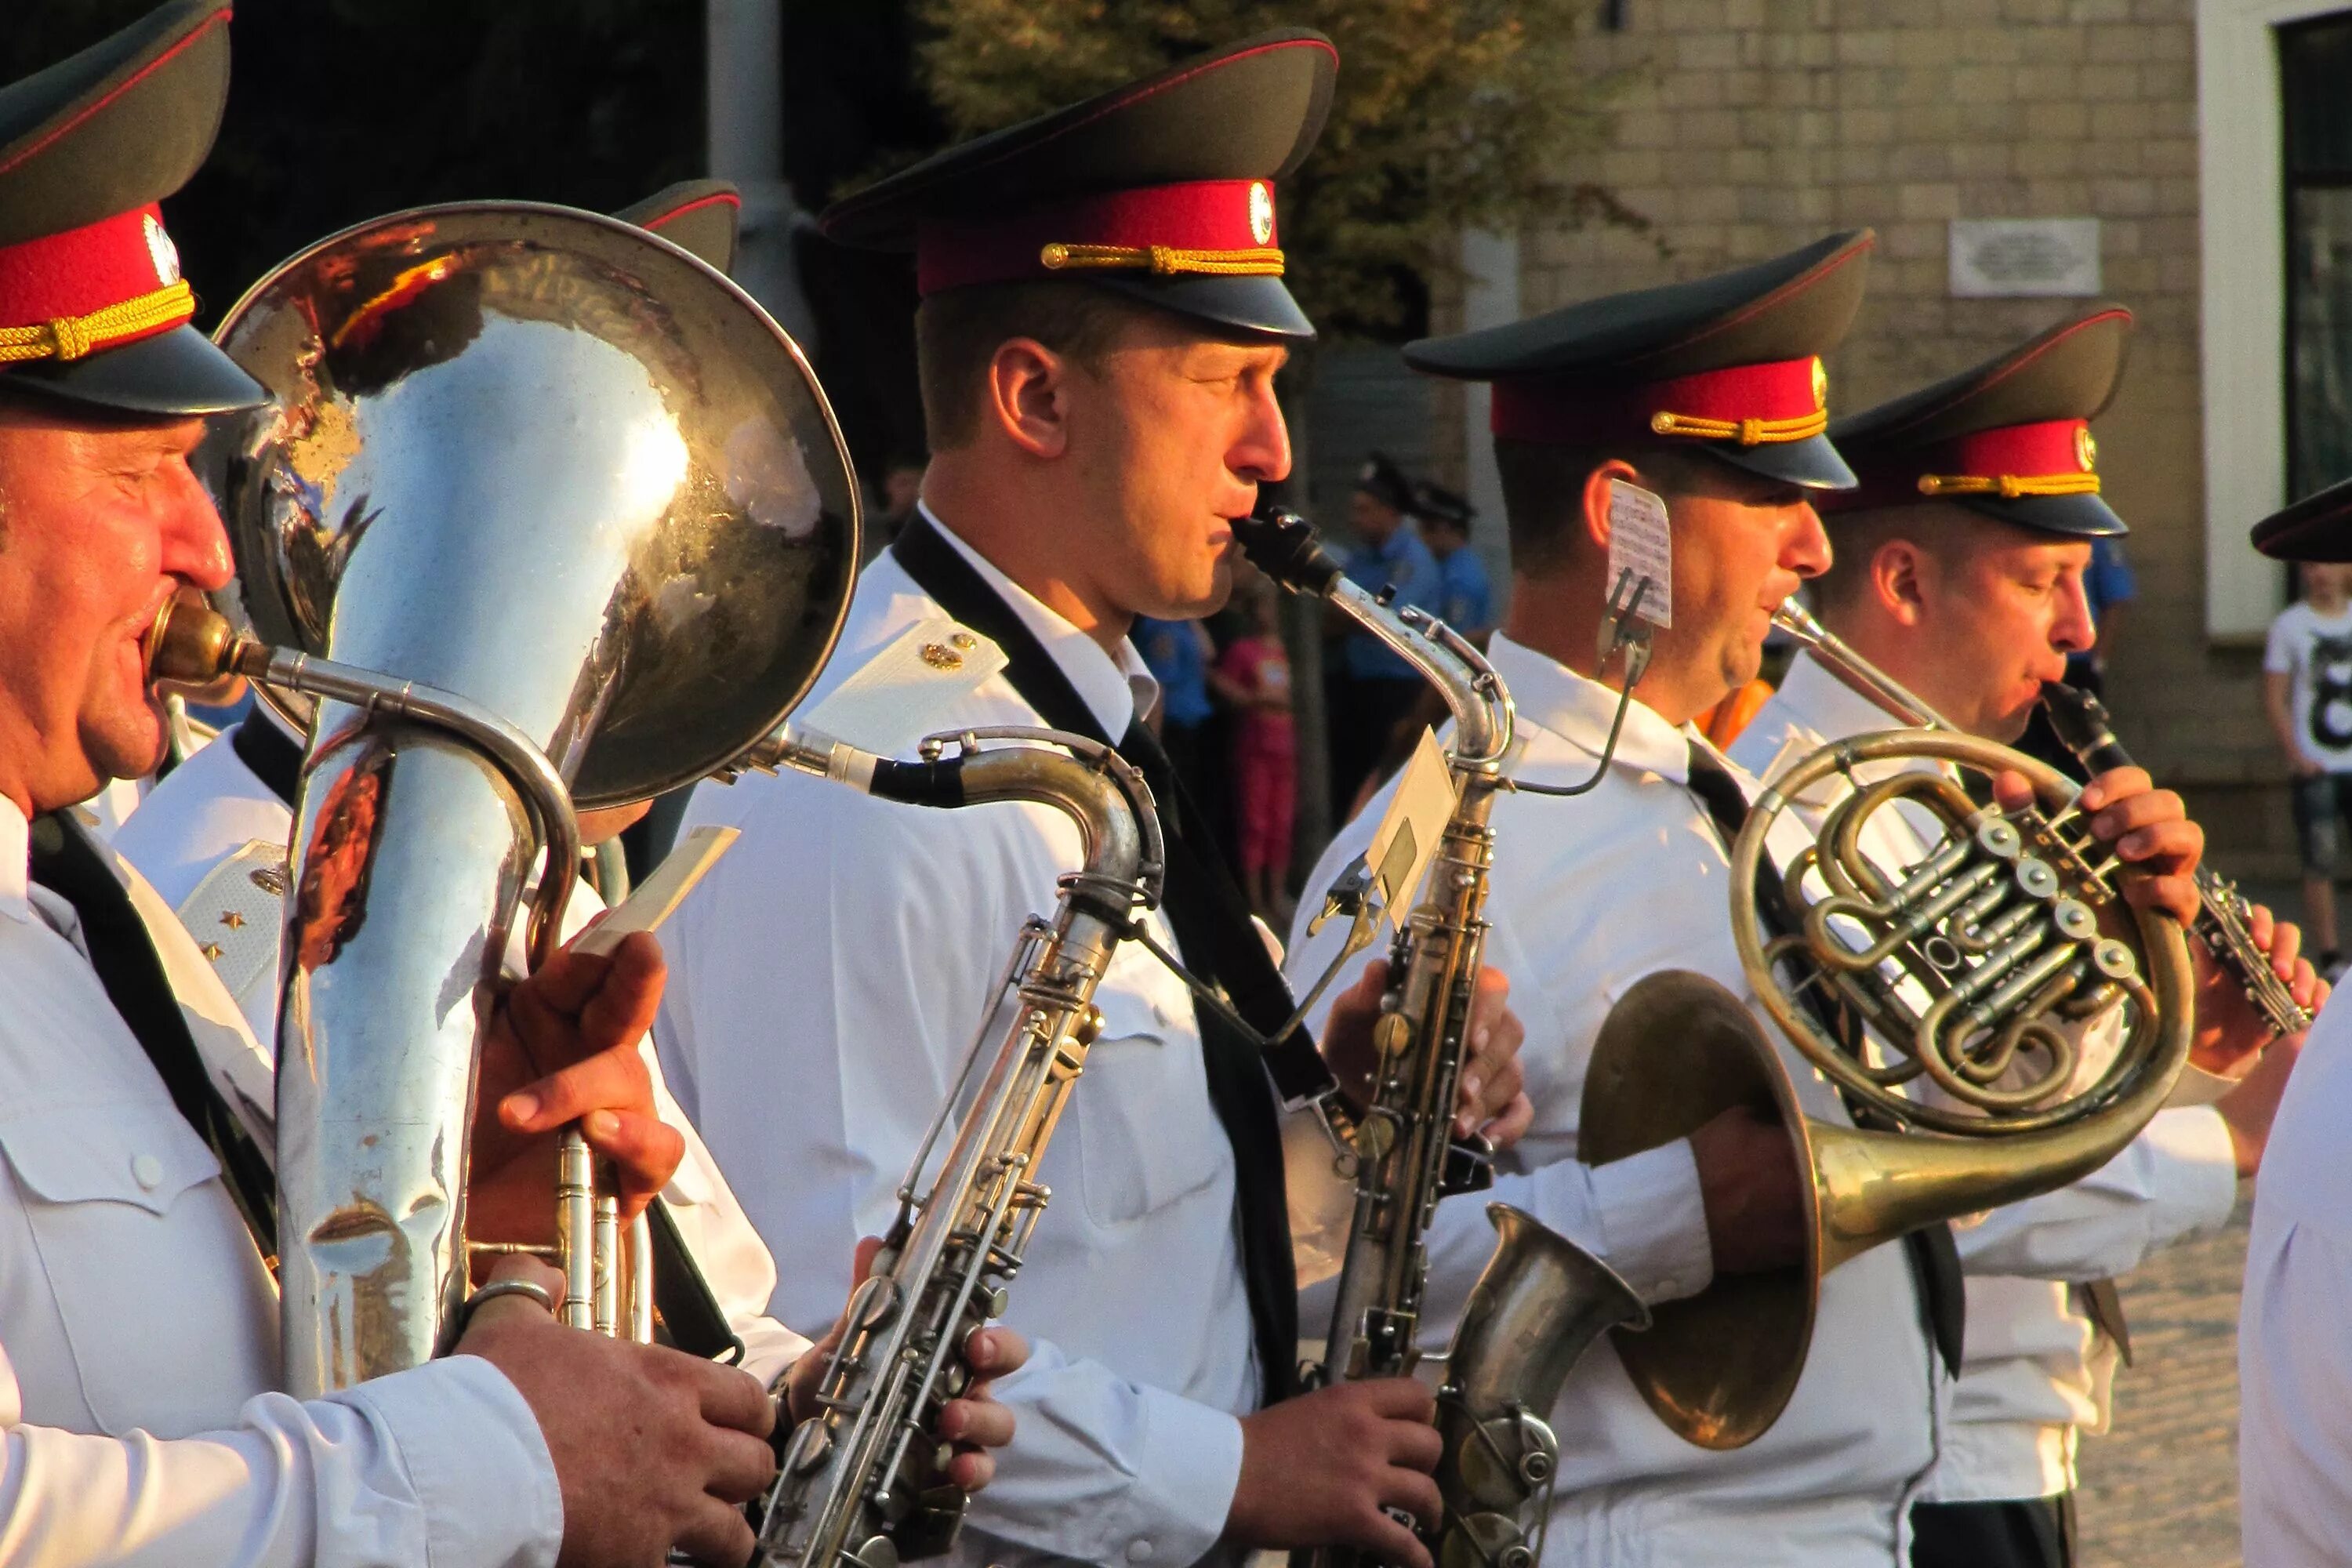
[{"x": 1285, "y": 547}]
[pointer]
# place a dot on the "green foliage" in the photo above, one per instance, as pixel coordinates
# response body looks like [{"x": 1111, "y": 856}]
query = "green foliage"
[{"x": 1449, "y": 114}]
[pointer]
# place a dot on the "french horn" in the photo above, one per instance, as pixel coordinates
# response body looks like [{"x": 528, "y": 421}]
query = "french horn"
[
  {"x": 1975, "y": 970},
  {"x": 544, "y": 466}
]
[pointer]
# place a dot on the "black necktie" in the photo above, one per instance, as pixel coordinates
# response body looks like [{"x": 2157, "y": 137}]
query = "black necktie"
[
  {"x": 1935, "y": 1256},
  {"x": 68, "y": 864},
  {"x": 1212, "y": 929}
]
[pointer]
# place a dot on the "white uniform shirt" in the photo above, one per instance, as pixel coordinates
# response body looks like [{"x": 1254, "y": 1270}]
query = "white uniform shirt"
[
  {"x": 1588, "y": 896},
  {"x": 825, "y": 982},
  {"x": 2295, "y": 1320},
  {"x": 138, "y": 1328},
  {"x": 2036, "y": 1372},
  {"x": 212, "y": 807}
]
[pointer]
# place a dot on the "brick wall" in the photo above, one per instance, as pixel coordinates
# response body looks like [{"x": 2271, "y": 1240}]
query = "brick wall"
[{"x": 1745, "y": 127}]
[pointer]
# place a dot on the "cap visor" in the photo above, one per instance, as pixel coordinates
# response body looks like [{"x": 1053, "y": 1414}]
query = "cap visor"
[
  {"x": 2082, "y": 517},
  {"x": 1257, "y": 305},
  {"x": 1812, "y": 463},
  {"x": 2326, "y": 537},
  {"x": 178, "y": 374}
]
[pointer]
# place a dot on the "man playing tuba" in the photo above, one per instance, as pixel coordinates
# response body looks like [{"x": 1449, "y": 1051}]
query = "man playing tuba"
[{"x": 138, "y": 1329}]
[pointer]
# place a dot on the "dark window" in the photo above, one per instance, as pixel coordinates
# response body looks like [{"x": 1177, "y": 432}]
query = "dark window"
[{"x": 2314, "y": 69}]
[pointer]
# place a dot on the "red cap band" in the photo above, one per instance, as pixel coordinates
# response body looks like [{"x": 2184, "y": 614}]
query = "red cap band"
[
  {"x": 1203, "y": 226},
  {"x": 64, "y": 277},
  {"x": 2058, "y": 449},
  {"x": 1751, "y": 404}
]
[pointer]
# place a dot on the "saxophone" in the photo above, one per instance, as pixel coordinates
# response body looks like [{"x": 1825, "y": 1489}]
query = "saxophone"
[
  {"x": 864, "y": 1482},
  {"x": 1541, "y": 1299},
  {"x": 2224, "y": 923}
]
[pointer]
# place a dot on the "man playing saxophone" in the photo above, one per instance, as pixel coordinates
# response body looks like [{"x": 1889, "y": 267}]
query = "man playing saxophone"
[
  {"x": 1102, "y": 318},
  {"x": 1709, "y": 394},
  {"x": 1958, "y": 571}
]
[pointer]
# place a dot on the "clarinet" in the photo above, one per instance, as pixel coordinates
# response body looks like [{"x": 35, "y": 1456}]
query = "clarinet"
[
  {"x": 1500, "y": 1456},
  {"x": 2224, "y": 921},
  {"x": 864, "y": 1483}
]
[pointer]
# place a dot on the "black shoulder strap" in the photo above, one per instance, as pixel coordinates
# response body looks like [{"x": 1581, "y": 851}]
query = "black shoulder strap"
[
  {"x": 66, "y": 862},
  {"x": 1213, "y": 928}
]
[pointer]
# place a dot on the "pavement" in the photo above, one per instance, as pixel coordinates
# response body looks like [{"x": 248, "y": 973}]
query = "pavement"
[{"x": 2160, "y": 1490}]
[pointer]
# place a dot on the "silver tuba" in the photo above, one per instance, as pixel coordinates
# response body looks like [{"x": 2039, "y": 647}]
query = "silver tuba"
[{"x": 558, "y": 471}]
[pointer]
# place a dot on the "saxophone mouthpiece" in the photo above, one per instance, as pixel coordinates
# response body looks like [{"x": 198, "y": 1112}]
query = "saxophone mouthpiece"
[{"x": 1285, "y": 546}]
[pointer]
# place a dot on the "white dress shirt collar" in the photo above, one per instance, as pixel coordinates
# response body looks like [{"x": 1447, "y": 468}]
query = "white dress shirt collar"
[
  {"x": 1115, "y": 689},
  {"x": 1579, "y": 710},
  {"x": 16, "y": 861}
]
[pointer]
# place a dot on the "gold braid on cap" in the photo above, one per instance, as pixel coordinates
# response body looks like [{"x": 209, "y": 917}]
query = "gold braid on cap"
[
  {"x": 1163, "y": 260},
  {"x": 1747, "y": 432},
  {"x": 2008, "y": 487},
  {"x": 73, "y": 337}
]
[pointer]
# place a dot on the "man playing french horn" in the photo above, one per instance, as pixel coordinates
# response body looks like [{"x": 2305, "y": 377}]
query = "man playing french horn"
[
  {"x": 1970, "y": 596},
  {"x": 1709, "y": 395},
  {"x": 141, "y": 1315},
  {"x": 1103, "y": 319}
]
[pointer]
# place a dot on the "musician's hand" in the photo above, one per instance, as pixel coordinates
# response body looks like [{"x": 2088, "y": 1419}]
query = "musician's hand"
[
  {"x": 1320, "y": 1471},
  {"x": 1748, "y": 1183},
  {"x": 2230, "y": 1028},
  {"x": 562, "y": 1047},
  {"x": 1490, "y": 1097},
  {"x": 975, "y": 1423},
  {"x": 653, "y": 1448},
  {"x": 2149, "y": 828}
]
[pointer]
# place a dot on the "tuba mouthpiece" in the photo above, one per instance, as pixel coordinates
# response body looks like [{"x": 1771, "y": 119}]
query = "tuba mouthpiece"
[{"x": 190, "y": 643}]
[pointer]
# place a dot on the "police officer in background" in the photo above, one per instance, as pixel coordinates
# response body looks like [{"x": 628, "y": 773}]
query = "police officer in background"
[
  {"x": 1959, "y": 569},
  {"x": 1368, "y": 690},
  {"x": 1711, "y": 396},
  {"x": 1465, "y": 597},
  {"x": 1102, "y": 319},
  {"x": 138, "y": 1325}
]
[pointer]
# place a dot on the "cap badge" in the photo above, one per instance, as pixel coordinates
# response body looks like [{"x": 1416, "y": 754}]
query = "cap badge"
[
  {"x": 1261, "y": 200},
  {"x": 2086, "y": 450},
  {"x": 1821, "y": 383},
  {"x": 162, "y": 252}
]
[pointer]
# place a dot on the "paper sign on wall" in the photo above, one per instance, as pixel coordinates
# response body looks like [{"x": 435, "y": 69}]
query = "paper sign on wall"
[{"x": 1639, "y": 544}]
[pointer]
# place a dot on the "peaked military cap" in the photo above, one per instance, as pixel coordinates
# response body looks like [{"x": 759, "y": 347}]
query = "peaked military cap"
[
  {"x": 2316, "y": 528},
  {"x": 703, "y": 216},
  {"x": 93, "y": 310},
  {"x": 1163, "y": 190},
  {"x": 1434, "y": 502},
  {"x": 1382, "y": 479},
  {"x": 2010, "y": 438},
  {"x": 1732, "y": 363}
]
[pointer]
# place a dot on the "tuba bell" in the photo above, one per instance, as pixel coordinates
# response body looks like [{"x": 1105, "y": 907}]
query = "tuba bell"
[
  {"x": 529, "y": 473},
  {"x": 1977, "y": 971}
]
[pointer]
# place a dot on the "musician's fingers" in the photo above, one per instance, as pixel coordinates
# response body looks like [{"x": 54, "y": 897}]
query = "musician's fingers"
[
  {"x": 869, "y": 1247},
  {"x": 718, "y": 1533},
  {"x": 613, "y": 1079},
  {"x": 1512, "y": 1123},
  {"x": 981, "y": 1422},
  {"x": 645, "y": 1151},
  {"x": 732, "y": 1398},
  {"x": 2174, "y": 846},
  {"x": 2176, "y": 895},
  {"x": 2011, "y": 791},
  {"x": 995, "y": 1351},
  {"x": 2151, "y": 812},
  {"x": 2116, "y": 783},
  {"x": 517, "y": 1266},
  {"x": 2261, "y": 922},
  {"x": 971, "y": 1470},
  {"x": 621, "y": 1008},
  {"x": 2283, "y": 942}
]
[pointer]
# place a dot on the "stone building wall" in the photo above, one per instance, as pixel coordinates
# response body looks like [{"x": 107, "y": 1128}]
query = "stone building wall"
[{"x": 1745, "y": 127}]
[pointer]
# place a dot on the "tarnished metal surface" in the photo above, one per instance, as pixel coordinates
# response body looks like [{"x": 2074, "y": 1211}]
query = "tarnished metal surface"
[{"x": 544, "y": 461}]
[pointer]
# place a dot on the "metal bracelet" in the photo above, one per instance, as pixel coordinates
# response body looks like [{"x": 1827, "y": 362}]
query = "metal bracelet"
[{"x": 497, "y": 1288}]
